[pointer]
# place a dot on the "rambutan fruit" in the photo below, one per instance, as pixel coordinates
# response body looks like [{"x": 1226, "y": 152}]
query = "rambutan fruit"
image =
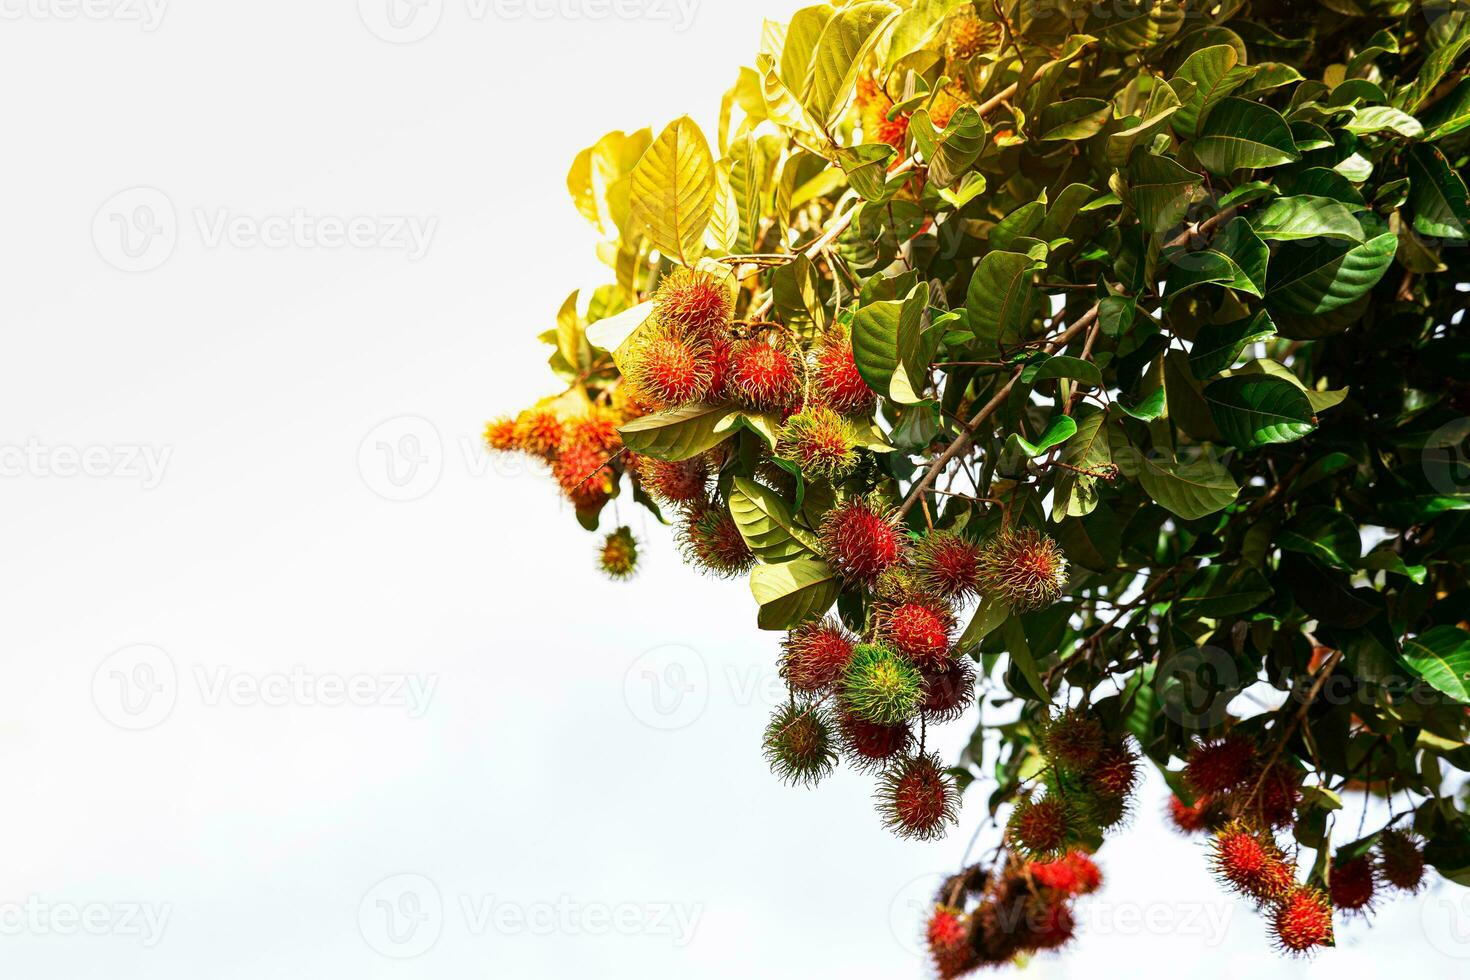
[
  {"x": 763, "y": 375},
  {"x": 948, "y": 564},
  {"x": 539, "y": 432},
  {"x": 720, "y": 348},
  {"x": 874, "y": 108},
  {"x": 1221, "y": 765},
  {"x": 862, "y": 540},
  {"x": 799, "y": 745},
  {"x": 819, "y": 442},
  {"x": 919, "y": 631},
  {"x": 880, "y": 686},
  {"x": 1023, "y": 568},
  {"x": 584, "y": 474},
  {"x": 1074, "y": 873},
  {"x": 500, "y": 435},
  {"x": 897, "y": 585},
  {"x": 597, "y": 429},
  {"x": 1353, "y": 884},
  {"x": 670, "y": 366},
  {"x": 1042, "y": 828},
  {"x": 1048, "y": 923},
  {"x": 1303, "y": 921},
  {"x": 618, "y": 556},
  {"x": 697, "y": 301},
  {"x": 685, "y": 481},
  {"x": 1115, "y": 772},
  {"x": 1193, "y": 819},
  {"x": 867, "y": 745},
  {"x": 1279, "y": 795},
  {"x": 947, "y": 935},
  {"x": 1072, "y": 740},
  {"x": 836, "y": 382},
  {"x": 815, "y": 655},
  {"x": 1401, "y": 860},
  {"x": 948, "y": 693},
  {"x": 1252, "y": 864},
  {"x": 918, "y": 798},
  {"x": 967, "y": 35},
  {"x": 711, "y": 541}
]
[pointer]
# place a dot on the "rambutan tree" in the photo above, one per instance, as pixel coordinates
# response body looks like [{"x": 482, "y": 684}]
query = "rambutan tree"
[{"x": 1101, "y": 362}]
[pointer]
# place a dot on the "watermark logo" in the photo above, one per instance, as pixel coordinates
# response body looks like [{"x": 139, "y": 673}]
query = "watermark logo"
[
  {"x": 1195, "y": 686},
  {"x": 143, "y": 922},
  {"x": 401, "y": 21},
  {"x": 136, "y": 688},
  {"x": 147, "y": 14},
  {"x": 402, "y": 460},
  {"x": 136, "y": 230},
  {"x": 402, "y": 917},
  {"x": 910, "y": 909},
  {"x": 38, "y": 460},
  {"x": 1445, "y": 917},
  {"x": 667, "y": 688},
  {"x": 408, "y": 21}
]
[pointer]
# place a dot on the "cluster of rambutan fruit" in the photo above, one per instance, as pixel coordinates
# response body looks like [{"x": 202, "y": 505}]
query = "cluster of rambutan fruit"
[
  {"x": 1242, "y": 800},
  {"x": 988, "y": 917}
]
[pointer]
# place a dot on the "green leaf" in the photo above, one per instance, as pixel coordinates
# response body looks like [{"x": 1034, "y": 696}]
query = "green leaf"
[
  {"x": 1003, "y": 300},
  {"x": 1215, "y": 73},
  {"x": 680, "y": 433},
  {"x": 1378, "y": 118},
  {"x": 1311, "y": 279},
  {"x": 1259, "y": 410},
  {"x": 1239, "y": 135},
  {"x": 990, "y": 615},
  {"x": 866, "y": 167},
  {"x": 1160, "y": 190},
  {"x": 1020, "y": 650},
  {"x": 950, "y": 152},
  {"x": 1306, "y": 216},
  {"x": 1063, "y": 367},
  {"x": 1088, "y": 451},
  {"x": 1058, "y": 430},
  {"x": 793, "y": 593},
  {"x": 890, "y": 347},
  {"x": 674, "y": 191},
  {"x": 1218, "y": 346},
  {"x": 1135, "y": 25},
  {"x": 1438, "y": 196},
  {"x": 1190, "y": 490},
  {"x": 1441, "y": 658},
  {"x": 1074, "y": 119},
  {"x": 1237, "y": 259},
  {"x": 1217, "y": 591},
  {"x": 1326, "y": 534},
  {"x": 845, "y": 43},
  {"x": 766, "y": 524}
]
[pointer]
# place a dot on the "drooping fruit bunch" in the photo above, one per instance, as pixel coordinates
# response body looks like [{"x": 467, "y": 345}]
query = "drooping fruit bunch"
[{"x": 1100, "y": 381}]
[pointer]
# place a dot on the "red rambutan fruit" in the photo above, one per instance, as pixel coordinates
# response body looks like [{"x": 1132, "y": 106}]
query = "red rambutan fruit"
[
  {"x": 868, "y": 745},
  {"x": 815, "y": 655},
  {"x": 920, "y": 632},
  {"x": 1279, "y": 795},
  {"x": 618, "y": 556},
  {"x": 683, "y": 482},
  {"x": 880, "y": 686},
  {"x": 583, "y": 473},
  {"x": 1193, "y": 819},
  {"x": 948, "y": 693},
  {"x": 1072, "y": 740},
  {"x": 696, "y": 301},
  {"x": 1251, "y": 863},
  {"x": 918, "y": 798},
  {"x": 947, "y": 935},
  {"x": 670, "y": 366},
  {"x": 711, "y": 541},
  {"x": 836, "y": 382},
  {"x": 1115, "y": 773},
  {"x": 719, "y": 363},
  {"x": 1049, "y": 924},
  {"x": 763, "y": 376},
  {"x": 819, "y": 442},
  {"x": 1023, "y": 568},
  {"x": 1072, "y": 874},
  {"x": 862, "y": 540},
  {"x": 799, "y": 745},
  {"x": 948, "y": 564},
  {"x": 1042, "y": 828},
  {"x": 1401, "y": 860},
  {"x": 1353, "y": 884},
  {"x": 1303, "y": 921},
  {"x": 500, "y": 435},
  {"x": 598, "y": 429},
  {"x": 1221, "y": 765},
  {"x": 539, "y": 432},
  {"x": 874, "y": 108}
]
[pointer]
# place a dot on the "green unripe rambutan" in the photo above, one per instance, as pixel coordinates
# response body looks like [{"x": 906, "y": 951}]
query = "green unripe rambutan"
[
  {"x": 1023, "y": 568},
  {"x": 880, "y": 686},
  {"x": 948, "y": 564},
  {"x": 1072, "y": 740},
  {"x": 819, "y": 442},
  {"x": 618, "y": 556},
  {"x": 1043, "y": 828},
  {"x": 799, "y": 745}
]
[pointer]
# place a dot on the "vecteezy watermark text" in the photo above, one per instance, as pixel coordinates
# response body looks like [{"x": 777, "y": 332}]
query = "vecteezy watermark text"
[
  {"x": 147, "y": 14},
  {"x": 129, "y": 920},
  {"x": 407, "y": 21},
  {"x": 38, "y": 460}
]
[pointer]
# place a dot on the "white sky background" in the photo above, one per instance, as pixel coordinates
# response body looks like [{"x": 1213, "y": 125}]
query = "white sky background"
[{"x": 269, "y": 834}]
